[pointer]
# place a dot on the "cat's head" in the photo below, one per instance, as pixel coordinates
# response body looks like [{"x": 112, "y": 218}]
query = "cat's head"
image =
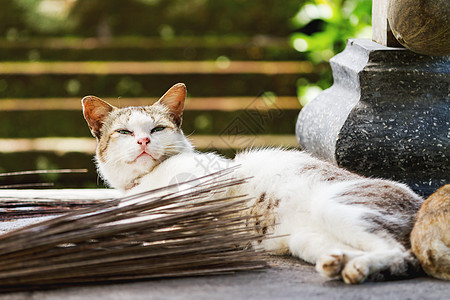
[{"x": 131, "y": 141}]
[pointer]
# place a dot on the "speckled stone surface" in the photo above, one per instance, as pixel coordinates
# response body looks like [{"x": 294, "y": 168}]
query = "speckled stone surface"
[{"x": 386, "y": 115}]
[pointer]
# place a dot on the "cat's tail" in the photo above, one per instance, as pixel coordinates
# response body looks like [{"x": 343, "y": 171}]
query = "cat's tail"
[
  {"x": 409, "y": 267},
  {"x": 358, "y": 266}
]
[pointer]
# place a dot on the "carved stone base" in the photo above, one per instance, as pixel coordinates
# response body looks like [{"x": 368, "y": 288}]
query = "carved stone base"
[{"x": 387, "y": 115}]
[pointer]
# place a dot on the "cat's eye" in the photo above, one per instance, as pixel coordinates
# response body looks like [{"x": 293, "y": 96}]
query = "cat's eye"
[
  {"x": 159, "y": 128},
  {"x": 124, "y": 131}
]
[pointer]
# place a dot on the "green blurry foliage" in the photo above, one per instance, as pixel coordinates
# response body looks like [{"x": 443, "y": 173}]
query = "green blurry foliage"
[
  {"x": 163, "y": 18},
  {"x": 23, "y": 18},
  {"x": 334, "y": 22},
  {"x": 128, "y": 87},
  {"x": 323, "y": 27},
  {"x": 228, "y": 29},
  {"x": 169, "y": 18},
  {"x": 317, "y": 29}
]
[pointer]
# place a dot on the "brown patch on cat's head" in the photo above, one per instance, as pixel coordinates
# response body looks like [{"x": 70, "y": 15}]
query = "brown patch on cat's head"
[
  {"x": 174, "y": 99},
  {"x": 95, "y": 111}
]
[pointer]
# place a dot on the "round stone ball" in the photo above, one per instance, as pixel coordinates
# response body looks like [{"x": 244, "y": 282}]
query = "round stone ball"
[{"x": 422, "y": 26}]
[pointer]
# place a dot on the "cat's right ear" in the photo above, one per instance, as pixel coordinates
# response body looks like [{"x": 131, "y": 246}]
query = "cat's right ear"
[{"x": 95, "y": 110}]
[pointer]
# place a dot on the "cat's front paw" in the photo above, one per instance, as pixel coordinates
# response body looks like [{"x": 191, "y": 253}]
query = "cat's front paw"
[
  {"x": 356, "y": 271},
  {"x": 330, "y": 265}
]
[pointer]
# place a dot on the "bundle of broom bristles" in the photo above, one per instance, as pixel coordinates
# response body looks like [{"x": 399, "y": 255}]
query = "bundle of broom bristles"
[{"x": 192, "y": 230}]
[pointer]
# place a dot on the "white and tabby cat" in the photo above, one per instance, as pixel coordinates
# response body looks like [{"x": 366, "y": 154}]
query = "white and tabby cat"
[{"x": 351, "y": 227}]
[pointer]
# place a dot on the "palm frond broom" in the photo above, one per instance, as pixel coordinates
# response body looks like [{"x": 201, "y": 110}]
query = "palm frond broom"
[
  {"x": 36, "y": 172},
  {"x": 196, "y": 230}
]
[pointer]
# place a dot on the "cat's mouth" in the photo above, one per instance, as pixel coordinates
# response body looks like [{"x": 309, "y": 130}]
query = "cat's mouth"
[
  {"x": 146, "y": 155},
  {"x": 143, "y": 155}
]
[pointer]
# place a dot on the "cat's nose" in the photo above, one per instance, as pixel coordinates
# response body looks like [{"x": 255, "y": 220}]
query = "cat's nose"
[{"x": 143, "y": 141}]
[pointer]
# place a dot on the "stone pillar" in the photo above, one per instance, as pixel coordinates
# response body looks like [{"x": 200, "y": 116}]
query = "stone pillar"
[
  {"x": 387, "y": 115},
  {"x": 388, "y": 112}
]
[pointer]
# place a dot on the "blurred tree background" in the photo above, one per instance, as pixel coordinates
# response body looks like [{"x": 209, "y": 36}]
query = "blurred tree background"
[
  {"x": 317, "y": 29},
  {"x": 273, "y": 51}
]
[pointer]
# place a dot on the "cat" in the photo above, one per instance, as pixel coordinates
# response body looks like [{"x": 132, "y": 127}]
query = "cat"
[
  {"x": 430, "y": 237},
  {"x": 349, "y": 226}
]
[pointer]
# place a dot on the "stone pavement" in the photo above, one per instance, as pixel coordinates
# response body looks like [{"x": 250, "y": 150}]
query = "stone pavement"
[{"x": 287, "y": 278}]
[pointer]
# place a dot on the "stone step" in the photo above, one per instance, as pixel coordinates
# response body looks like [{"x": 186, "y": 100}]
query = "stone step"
[
  {"x": 156, "y": 67},
  {"x": 148, "y": 49},
  {"x": 48, "y": 123},
  {"x": 45, "y": 160},
  {"x": 151, "y": 79},
  {"x": 265, "y": 102},
  {"x": 149, "y": 85}
]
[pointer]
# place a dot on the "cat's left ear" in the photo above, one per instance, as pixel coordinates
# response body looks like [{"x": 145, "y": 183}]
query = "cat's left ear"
[
  {"x": 95, "y": 110},
  {"x": 174, "y": 100}
]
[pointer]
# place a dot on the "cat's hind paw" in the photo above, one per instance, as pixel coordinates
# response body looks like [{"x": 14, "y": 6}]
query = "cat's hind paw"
[
  {"x": 330, "y": 265},
  {"x": 356, "y": 271}
]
